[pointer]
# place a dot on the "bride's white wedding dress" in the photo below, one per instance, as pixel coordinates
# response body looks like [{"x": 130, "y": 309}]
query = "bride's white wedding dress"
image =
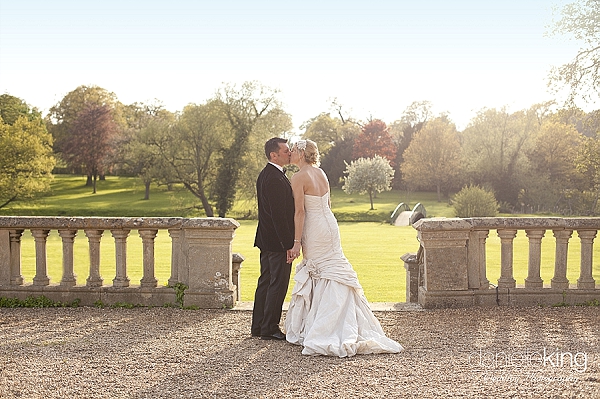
[{"x": 328, "y": 313}]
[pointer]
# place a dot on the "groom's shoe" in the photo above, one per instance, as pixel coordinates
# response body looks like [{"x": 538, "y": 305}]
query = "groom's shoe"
[{"x": 278, "y": 335}]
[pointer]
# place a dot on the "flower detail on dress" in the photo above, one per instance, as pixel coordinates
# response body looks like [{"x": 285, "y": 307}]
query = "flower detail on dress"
[
  {"x": 312, "y": 269},
  {"x": 301, "y": 144}
]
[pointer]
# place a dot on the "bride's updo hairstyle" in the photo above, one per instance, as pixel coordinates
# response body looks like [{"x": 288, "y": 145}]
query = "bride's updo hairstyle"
[{"x": 311, "y": 152}]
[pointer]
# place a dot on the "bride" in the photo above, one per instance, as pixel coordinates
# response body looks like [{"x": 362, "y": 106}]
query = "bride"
[{"x": 328, "y": 313}]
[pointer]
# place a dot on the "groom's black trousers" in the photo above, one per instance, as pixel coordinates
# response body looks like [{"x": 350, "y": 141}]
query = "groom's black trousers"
[{"x": 270, "y": 292}]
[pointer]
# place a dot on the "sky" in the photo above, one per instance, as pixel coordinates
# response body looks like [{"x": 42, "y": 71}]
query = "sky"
[{"x": 375, "y": 57}]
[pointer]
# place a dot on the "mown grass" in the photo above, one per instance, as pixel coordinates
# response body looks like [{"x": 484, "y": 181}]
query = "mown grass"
[{"x": 371, "y": 244}]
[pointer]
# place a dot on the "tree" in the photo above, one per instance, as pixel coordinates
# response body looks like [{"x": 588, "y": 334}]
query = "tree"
[
  {"x": 368, "y": 176},
  {"x": 242, "y": 108},
  {"x": 26, "y": 148},
  {"x": 581, "y": 19},
  {"x": 62, "y": 115},
  {"x": 11, "y": 108},
  {"x": 135, "y": 153},
  {"x": 494, "y": 146},
  {"x": 375, "y": 140},
  {"x": 433, "y": 157},
  {"x": 323, "y": 130},
  {"x": 192, "y": 147},
  {"x": 90, "y": 144},
  {"x": 588, "y": 163}
]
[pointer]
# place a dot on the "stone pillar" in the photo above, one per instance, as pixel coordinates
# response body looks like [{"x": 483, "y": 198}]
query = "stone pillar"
[
  {"x": 68, "y": 238},
  {"x": 506, "y": 279},
  {"x": 4, "y": 257},
  {"x": 236, "y": 265},
  {"x": 445, "y": 259},
  {"x": 560, "y": 281},
  {"x": 176, "y": 256},
  {"x": 477, "y": 262},
  {"x": 15, "y": 257},
  {"x": 585, "y": 280},
  {"x": 94, "y": 236},
  {"x": 121, "y": 280},
  {"x": 533, "y": 279},
  {"x": 41, "y": 276},
  {"x": 148, "y": 280},
  {"x": 208, "y": 260},
  {"x": 411, "y": 264}
]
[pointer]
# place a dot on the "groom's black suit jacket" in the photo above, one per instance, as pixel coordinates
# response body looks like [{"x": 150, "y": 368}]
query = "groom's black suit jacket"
[{"x": 275, "y": 230}]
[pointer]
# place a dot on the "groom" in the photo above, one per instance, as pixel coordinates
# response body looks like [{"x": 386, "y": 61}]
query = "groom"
[{"x": 274, "y": 238}]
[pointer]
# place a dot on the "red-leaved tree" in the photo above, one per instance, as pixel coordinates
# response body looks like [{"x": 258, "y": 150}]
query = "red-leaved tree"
[
  {"x": 90, "y": 140},
  {"x": 375, "y": 140}
]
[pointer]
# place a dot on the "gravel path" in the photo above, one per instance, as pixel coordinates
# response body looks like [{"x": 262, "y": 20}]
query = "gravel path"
[{"x": 172, "y": 353}]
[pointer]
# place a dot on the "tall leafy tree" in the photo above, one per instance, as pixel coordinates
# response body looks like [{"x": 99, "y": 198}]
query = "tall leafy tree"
[
  {"x": 192, "y": 148},
  {"x": 91, "y": 140},
  {"x": 375, "y": 140},
  {"x": 588, "y": 163},
  {"x": 494, "y": 145},
  {"x": 62, "y": 115},
  {"x": 581, "y": 20},
  {"x": 135, "y": 153},
  {"x": 26, "y": 147},
  {"x": 368, "y": 176},
  {"x": 243, "y": 107},
  {"x": 433, "y": 158}
]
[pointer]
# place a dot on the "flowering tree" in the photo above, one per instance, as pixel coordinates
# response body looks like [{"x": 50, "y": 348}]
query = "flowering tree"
[
  {"x": 368, "y": 176},
  {"x": 374, "y": 140},
  {"x": 90, "y": 143}
]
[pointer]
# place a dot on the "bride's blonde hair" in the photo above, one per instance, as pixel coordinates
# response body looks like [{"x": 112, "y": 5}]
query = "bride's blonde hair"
[{"x": 311, "y": 151}]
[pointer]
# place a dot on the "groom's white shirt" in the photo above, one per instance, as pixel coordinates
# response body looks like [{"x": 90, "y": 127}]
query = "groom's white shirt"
[{"x": 277, "y": 166}]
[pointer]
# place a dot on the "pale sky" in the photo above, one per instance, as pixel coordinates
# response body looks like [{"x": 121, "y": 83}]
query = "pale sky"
[{"x": 376, "y": 57}]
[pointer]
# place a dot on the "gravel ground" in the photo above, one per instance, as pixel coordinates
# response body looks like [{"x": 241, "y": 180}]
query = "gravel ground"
[{"x": 172, "y": 353}]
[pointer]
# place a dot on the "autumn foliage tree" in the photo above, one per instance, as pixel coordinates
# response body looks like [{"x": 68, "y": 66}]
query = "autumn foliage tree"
[
  {"x": 90, "y": 144},
  {"x": 375, "y": 140}
]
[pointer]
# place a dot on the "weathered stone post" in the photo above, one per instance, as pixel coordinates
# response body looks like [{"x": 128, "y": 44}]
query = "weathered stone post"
[
  {"x": 446, "y": 262},
  {"x": 236, "y": 265},
  {"x": 69, "y": 279},
  {"x": 4, "y": 257},
  {"x": 411, "y": 264},
  {"x": 206, "y": 247}
]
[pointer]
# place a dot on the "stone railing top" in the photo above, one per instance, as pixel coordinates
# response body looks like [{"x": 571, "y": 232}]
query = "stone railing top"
[
  {"x": 114, "y": 223},
  {"x": 550, "y": 223}
]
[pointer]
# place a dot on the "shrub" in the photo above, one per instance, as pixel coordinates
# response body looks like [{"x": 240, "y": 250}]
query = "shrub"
[{"x": 474, "y": 201}]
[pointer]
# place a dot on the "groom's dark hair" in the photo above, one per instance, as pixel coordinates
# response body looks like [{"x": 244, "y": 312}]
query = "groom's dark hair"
[{"x": 272, "y": 145}]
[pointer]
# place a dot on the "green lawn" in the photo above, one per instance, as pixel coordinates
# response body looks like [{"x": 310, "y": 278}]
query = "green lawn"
[{"x": 374, "y": 248}]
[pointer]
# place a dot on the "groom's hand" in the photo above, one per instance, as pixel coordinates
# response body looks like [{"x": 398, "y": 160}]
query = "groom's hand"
[{"x": 290, "y": 257}]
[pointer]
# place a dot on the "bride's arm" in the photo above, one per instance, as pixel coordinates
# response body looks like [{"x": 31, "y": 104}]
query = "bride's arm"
[{"x": 298, "y": 190}]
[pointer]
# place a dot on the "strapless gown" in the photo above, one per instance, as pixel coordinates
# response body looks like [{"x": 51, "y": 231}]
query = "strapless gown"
[{"x": 329, "y": 313}]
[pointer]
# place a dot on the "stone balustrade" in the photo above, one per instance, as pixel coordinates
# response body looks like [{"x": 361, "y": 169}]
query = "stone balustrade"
[
  {"x": 201, "y": 258},
  {"x": 453, "y": 270}
]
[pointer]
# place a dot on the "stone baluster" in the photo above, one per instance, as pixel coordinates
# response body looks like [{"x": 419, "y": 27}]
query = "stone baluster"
[
  {"x": 585, "y": 280},
  {"x": 560, "y": 280},
  {"x": 484, "y": 283},
  {"x": 121, "y": 280},
  {"x": 68, "y": 238},
  {"x": 176, "y": 256},
  {"x": 236, "y": 265},
  {"x": 533, "y": 279},
  {"x": 507, "y": 237},
  {"x": 41, "y": 274},
  {"x": 94, "y": 236},
  {"x": 15, "y": 257},
  {"x": 148, "y": 280}
]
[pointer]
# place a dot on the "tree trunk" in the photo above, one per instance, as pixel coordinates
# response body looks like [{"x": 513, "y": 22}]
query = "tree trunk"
[
  {"x": 147, "y": 192},
  {"x": 371, "y": 198},
  {"x": 88, "y": 182},
  {"x": 94, "y": 184}
]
